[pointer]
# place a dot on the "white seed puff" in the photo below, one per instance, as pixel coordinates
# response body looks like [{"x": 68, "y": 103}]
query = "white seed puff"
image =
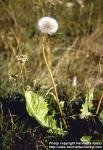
[{"x": 48, "y": 25}]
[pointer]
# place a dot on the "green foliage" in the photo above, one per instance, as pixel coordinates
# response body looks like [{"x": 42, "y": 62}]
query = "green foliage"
[
  {"x": 37, "y": 107},
  {"x": 89, "y": 98},
  {"x": 101, "y": 116},
  {"x": 86, "y": 138},
  {"x": 88, "y": 105},
  {"x": 51, "y": 100}
]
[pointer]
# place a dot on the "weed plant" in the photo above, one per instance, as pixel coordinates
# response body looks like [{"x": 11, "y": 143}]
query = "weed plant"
[{"x": 75, "y": 56}]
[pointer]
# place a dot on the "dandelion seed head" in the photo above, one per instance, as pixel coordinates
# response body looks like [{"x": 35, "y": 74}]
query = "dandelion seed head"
[
  {"x": 22, "y": 58},
  {"x": 48, "y": 25}
]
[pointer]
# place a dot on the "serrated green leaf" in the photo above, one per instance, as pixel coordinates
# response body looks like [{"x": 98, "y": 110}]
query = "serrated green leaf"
[
  {"x": 37, "y": 107},
  {"x": 86, "y": 138},
  {"x": 101, "y": 116},
  {"x": 53, "y": 101},
  {"x": 88, "y": 104},
  {"x": 89, "y": 98}
]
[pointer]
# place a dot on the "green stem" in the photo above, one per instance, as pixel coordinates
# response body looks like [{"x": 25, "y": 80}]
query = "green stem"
[
  {"x": 51, "y": 75},
  {"x": 100, "y": 101}
]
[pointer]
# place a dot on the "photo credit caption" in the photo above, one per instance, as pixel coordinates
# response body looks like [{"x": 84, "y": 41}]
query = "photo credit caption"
[{"x": 75, "y": 145}]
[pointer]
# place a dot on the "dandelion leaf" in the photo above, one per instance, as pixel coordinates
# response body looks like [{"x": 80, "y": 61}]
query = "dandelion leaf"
[
  {"x": 89, "y": 98},
  {"x": 87, "y": 106},
  {"x": 52, "y": 103},
  {"x": 84, "y": 108},
  {"x": 101, "y": 116},
  {"x": 86, "y": 138},
  {"x": 37, "y": 107}
]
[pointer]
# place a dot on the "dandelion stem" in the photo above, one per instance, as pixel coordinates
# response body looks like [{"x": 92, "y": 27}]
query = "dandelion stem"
[
  {"x": 99, "y": 103},
  {"x": 51, "y": 75}
]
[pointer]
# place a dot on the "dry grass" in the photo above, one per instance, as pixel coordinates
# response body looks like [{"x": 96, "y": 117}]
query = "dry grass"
[{"x": 76, "y": 49}]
